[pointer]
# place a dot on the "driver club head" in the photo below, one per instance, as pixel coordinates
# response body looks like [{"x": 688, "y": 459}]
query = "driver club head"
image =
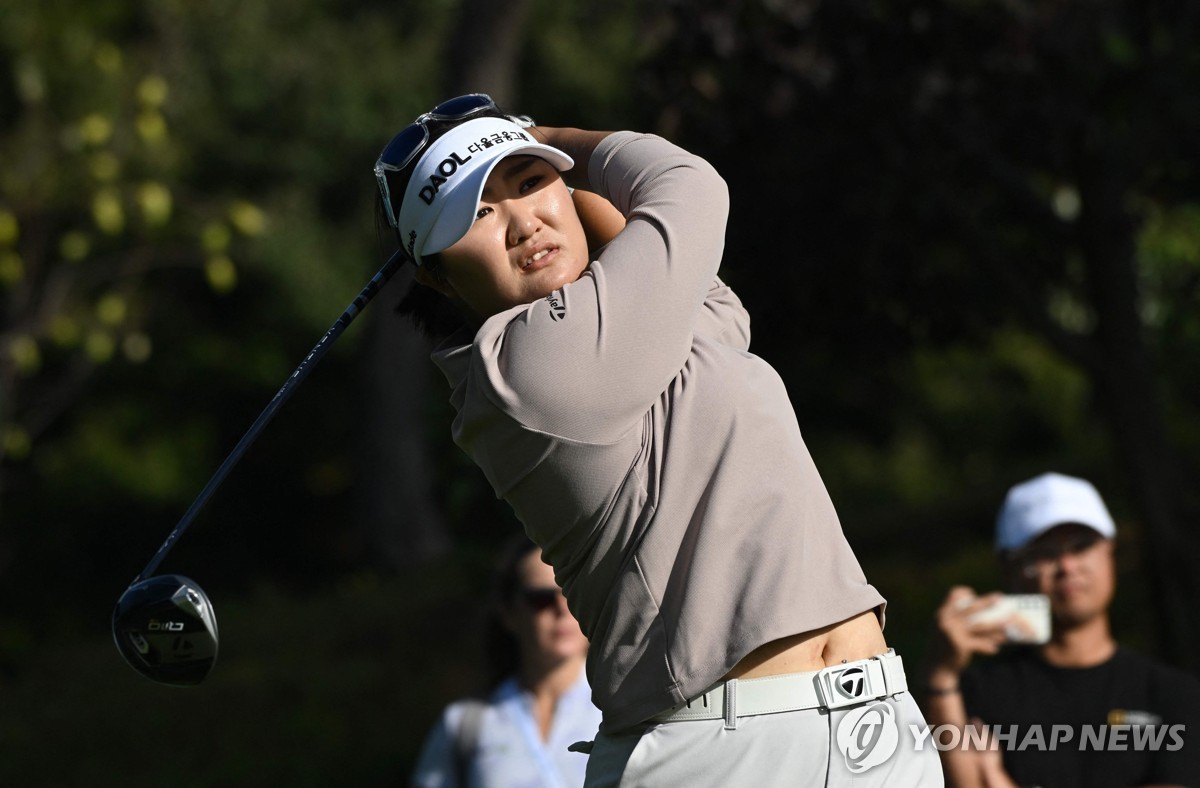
[{"x": 166, "y": 629}]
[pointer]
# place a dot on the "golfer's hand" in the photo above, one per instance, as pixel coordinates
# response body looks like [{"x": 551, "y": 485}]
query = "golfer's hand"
[
  {"x": 576, "y": 143},
  {"x": 601, "y": 220}
]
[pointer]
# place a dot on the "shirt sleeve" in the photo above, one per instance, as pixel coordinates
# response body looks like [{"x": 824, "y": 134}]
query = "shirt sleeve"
[
  {"x": 436, "y": 765},
  {"x": 723, "y": 318},
  {"x": 587, "y": 362}
]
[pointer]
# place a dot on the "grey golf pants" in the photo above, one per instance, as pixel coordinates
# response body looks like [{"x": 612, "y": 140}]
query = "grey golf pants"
[{"x": 867, "y": 745}]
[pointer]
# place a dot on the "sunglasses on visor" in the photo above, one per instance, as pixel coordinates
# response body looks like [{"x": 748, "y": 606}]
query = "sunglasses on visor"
[{"x": 406, "y": 145}]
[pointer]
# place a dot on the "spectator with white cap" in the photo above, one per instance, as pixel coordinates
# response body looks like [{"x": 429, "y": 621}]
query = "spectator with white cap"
[{"x": 1055, "y": 536}]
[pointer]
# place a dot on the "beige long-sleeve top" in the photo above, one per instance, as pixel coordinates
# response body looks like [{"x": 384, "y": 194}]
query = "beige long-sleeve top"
[{"x": 657, "y": 462}]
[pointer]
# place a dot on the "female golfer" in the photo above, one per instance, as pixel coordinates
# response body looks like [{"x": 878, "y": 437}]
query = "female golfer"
[{"x": 608, "y": 395}]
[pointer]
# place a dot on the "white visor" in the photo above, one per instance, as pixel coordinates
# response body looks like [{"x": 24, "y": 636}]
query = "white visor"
[{"x": 442, "y": 197}]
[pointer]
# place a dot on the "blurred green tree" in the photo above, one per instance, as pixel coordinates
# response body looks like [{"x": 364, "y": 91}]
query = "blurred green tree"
[
  {"x": 94, "y": 209},
  {"x": 184, "y": 186}
]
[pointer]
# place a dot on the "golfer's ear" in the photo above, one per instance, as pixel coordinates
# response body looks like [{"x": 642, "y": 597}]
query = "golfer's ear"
[{"x": 439, "y": 283}]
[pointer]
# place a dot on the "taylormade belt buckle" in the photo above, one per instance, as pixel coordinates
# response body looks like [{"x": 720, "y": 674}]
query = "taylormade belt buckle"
[{"x": 851, "y": 683}]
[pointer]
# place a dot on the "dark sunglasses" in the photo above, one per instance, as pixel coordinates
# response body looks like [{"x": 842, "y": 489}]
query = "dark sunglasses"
[
  {"x": 405, "y": 146},
  {"x": 1038, "y": 554},
  {"x": 539, "y": 599}
]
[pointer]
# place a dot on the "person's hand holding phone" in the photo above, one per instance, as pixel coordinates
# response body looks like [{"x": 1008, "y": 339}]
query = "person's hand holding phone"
[{"x": 956, "y": 638}]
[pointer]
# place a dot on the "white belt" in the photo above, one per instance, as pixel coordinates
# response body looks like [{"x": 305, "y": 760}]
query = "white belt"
[{"x": 834, "y": 687}]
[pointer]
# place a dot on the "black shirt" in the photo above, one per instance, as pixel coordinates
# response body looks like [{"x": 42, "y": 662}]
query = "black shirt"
[{"x": 1129, "y": 721}]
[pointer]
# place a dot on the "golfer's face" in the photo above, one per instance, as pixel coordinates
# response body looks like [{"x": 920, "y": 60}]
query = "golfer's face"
[{"x": 526, "y": 241}]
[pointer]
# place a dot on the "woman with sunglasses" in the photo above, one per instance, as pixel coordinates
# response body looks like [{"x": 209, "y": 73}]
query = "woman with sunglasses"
[
  {"x": 540, "y": 702},
  {"x": 609, "y": 396}
]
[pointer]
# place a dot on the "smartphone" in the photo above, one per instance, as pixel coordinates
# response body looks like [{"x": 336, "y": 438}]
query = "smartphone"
[{"x": 1032, "y": 611}]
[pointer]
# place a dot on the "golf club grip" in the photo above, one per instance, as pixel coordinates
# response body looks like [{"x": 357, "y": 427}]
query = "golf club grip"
[{"x": 281, "y": 396}]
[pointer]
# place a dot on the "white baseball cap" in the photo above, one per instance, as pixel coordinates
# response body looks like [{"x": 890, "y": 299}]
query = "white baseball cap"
[
  {"x": 442, "y": 197},
  {"x": 1033, "y": 507}
]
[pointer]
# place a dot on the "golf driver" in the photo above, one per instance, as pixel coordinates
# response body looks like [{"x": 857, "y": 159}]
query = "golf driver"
[{"x": 165, "y": 626}]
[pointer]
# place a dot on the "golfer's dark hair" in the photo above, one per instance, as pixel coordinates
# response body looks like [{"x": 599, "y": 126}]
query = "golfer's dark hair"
[
  {"x": 501, "y": 654},
  {"x": 431, "y": 312}
]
